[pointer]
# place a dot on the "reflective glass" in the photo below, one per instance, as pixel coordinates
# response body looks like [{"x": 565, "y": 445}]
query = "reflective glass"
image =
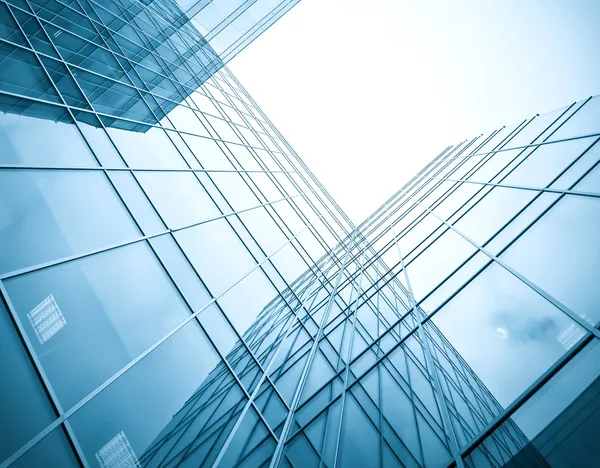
[
  {"x": 219, "y": 264},
  {"x": 583, "y": 122},
  {"x": 17, "y": 368},
  {"x": 560, "y": 254},
  {"x": 181, "y": 270},
  {"x": 45, "y": 215},
  {"x": 52, "y": 450},
  {"x": 178, "y": 196},
  {"x": 56, "y": 144},
  {"x": 543, "y": 165},
  {"x": 437, "y": 261},
  {"x": 244, "y": 302},
  {"x": 492, "y": 212},
  {"x": 137, "y": 202},
  {"x": 506, "y": 332},
  {"x": 119, "y": 419},
  {"x": 557, "y": 426},
  {"x": 88, "y": 318},
  {"x": 149, "y": 148}
]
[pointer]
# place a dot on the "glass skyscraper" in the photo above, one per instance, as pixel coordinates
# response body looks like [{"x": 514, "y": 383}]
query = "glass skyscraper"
[{"x": 178, "y": 289}]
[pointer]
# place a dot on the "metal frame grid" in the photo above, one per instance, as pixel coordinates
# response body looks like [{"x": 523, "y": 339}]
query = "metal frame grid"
[
  {"x": 293, "y": 208},
  {"x": 329, "y": 344}
]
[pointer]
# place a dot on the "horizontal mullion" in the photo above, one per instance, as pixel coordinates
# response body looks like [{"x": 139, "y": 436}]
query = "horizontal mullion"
[{"x": 89, "y": 253}]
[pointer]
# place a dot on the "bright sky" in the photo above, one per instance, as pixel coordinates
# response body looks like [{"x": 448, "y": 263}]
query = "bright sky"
[{"x": 367, "y": 92}]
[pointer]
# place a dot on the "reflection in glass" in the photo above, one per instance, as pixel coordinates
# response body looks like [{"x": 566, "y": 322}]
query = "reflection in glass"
[
  {"x": 103, "y": 300},
  {"x": 322, "y": 354},
  {"x": 508, "y": 334},
  {"x": 560, "y": 254},
  {"x": 46, "y": 215}
]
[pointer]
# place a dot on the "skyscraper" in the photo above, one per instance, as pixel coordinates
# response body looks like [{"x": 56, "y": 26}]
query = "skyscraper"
[{"x": 178, "y": 289}]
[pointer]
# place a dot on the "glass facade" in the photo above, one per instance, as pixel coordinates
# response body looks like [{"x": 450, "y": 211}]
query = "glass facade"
[{"x": 178, "y": 289}]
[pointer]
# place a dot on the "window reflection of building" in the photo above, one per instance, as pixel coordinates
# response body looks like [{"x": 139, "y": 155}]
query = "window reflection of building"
[
  {"x": 46, "y": 319},
  {"x": 149, "y": 210},
  {"x": 117, "y": 453},
  {"x": 192, "y": 436}
]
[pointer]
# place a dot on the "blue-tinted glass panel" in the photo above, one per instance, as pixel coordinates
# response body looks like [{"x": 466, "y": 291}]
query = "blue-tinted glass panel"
[
  {"x": 45, "y": 215},
  {"x": 557, "y": 426},
  {"x": 20, "y": 383},
  {"x": 506, "y": 332},
  {"x": 52, "y": 450},
  {"x": 181, "y": 270},
  {"x": 56, "y": 144},
  {"x": 22, "y": 74},
  {"x": 118, "y": 417},
  {"x": 88, "y": 318},
  {"x": 179, "y": 197},
  {"x": 137, "y": 202},
  {"x": 219, "y": 264},
  {"x": 560, "y": 254},
  {"x": 149, "y": 148}
]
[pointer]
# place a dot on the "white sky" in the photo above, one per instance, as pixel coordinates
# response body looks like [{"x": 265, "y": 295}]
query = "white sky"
[{"x": 368, "y": 91}]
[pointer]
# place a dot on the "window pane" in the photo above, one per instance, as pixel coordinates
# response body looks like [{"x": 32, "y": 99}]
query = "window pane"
[
  {"x": 54, "y": 143},
  {"x": 359, "y": 440},
  {"x": 20, "y": 384},
  {"x": 545, "y": 163},
  {"x": 506, "y": 332},
  {"x": 52, "y": 450},
  {"x": 560, "y": 254},
  {"x": 557, "y": 427},
  {"x": 180, "y": 269},
  {"x": 493, "y": 211},
  {"x": 178, "y": 197},
  {"x": 150, "y": 148},
  {"x": 246, "y": 300},
  {"x": 438, "y": 261},
  {"x": 88, "y": 318},
  {"x": 137, "y": 202},
  {"x": 220, "y": 264},
  {"x": 149, "y": 400},
  {"x": 46, "y": 215}
]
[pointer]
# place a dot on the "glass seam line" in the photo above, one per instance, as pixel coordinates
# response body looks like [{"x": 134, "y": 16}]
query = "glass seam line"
[
  {"x": 277, "y": 455},
  {"x": 455, "y": 452},
  {"x": 68, "y": 413},
  {"x": 353, "y": 316},
  {"x": 288, "y": 333},
  {"x": 523, "y": 279},
  {"x": 51, "y": 263}
]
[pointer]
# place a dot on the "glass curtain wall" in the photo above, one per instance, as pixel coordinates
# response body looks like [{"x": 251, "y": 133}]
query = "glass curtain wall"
[
  {"x": 436, "y": 343},
  {"x": 469, "y": 338},
  {"x": 149, "y": 211},
  {"x": 178, "y": 289}
]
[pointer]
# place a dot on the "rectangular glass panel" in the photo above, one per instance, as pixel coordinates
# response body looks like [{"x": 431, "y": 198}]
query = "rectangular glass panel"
[
  {"x": 114, "y": 305},
  {"x": 45, "y": 215}
]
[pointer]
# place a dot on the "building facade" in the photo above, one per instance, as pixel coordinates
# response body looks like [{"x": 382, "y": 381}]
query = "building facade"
[{"x": 178, "y": 289}]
